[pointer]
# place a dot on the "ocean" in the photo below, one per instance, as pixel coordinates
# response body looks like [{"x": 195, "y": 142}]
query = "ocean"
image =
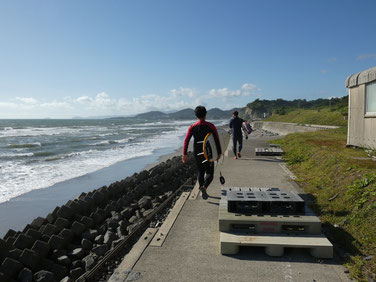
[{"x": 37, "y": 154}]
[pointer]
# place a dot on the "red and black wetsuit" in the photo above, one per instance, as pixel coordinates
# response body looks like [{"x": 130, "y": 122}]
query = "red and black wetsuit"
[{"x": 199, "y": 130}]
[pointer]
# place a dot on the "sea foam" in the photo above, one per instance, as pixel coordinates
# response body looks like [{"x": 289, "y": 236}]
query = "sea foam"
[{"x": 58, "y": 153}]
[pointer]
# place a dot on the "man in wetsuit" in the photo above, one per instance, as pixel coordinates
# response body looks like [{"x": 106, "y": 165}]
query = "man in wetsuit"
[
  {"x": 237, "y": 136},
  {"x": 199, "y": 130}
]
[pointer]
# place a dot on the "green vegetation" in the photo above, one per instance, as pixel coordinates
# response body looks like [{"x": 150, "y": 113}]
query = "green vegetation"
[
  {"x": 280, "y": 108},
  {"x": 342, "y": 184},
  {"x": 324, "y": 116}
]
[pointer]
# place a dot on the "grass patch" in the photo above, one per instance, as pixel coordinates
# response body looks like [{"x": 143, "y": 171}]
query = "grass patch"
[
  {"x": 324, "y": 116},
  {"x": 342, "y": 182}
]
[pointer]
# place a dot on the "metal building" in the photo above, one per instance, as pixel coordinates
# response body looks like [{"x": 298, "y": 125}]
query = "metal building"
[{"x": 362, "y": 109}]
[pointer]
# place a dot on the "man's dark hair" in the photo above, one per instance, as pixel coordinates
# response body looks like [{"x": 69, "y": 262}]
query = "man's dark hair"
[
  {"x": 235, "y": 113},
  {"x": 200, "y": 112}
]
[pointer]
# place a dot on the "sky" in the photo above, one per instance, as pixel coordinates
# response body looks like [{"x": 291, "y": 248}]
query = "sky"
[{"x": 63, "y": 59}]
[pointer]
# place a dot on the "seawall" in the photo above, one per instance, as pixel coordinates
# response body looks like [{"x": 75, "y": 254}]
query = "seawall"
[
  {"x": 284, "y": 128},
  {"x": 74, "y": 236}
]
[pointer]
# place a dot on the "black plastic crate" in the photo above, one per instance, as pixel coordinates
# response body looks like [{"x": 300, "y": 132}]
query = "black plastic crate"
[{"x": 265, "y": 202}]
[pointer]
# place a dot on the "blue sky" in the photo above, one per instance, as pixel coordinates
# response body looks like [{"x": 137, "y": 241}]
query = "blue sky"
[{"x": 91, "y": 58}]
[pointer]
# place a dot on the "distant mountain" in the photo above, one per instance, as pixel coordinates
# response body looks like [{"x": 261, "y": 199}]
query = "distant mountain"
[
  {"x": 216, "y": 113},
  {"x": 183, "y": 114},
  {"x": 220, "y": 114},
  {"x": 187, "y": 114},
  {"x": 152, "y": 115}
]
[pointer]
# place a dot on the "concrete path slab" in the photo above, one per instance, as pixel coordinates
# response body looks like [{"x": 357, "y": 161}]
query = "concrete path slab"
[
  {"x": 191, "y": 251},
  {"x": 163, "y": 231}
]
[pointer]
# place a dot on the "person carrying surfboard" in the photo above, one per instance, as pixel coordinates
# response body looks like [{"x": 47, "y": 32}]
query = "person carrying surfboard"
[
  {"x": 237, "y": 137},
  {"x": 247, "y": 129},
  {"x": 200, "y": 131}
]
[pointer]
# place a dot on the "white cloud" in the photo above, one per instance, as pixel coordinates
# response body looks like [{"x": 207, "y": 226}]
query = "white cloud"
[
  {"x": 101, "y": 100},
  {"x": 181, "y": 92},
  {"x": 102, "y": 95},
  {"x": 332, "y": 59},
  {"x": 324, "y": 71},
  {"x": 224, "y": 92},
  {"x": 366, "y": 57},
  {"x": 102, "y": 104},
  {"x": 175, "y": 100},
  {"x": 28, "y": 101},
  {"x": 157, "y": 102},
  {"x": 7, "y": 105},
  {"x": 32, "y": 108},
  {"x": 56, "y": 105},
  {"x": 84, "y": 99},
  {"x": 247, "y": 89}
]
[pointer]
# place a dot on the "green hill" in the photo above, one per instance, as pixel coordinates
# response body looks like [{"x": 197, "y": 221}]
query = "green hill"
[
  {"x": 152, "y": 115},
  {"x": 321, "y": 111},
  {"x": 324, "y": 116}
]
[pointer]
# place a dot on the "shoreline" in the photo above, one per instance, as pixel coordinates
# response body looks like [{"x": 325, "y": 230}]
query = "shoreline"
[
  {"x": 164, "y": 158},
  {"x": 19, "y": 211}
]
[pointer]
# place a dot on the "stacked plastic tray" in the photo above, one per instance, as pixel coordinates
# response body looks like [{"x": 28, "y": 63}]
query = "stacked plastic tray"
[{"x": 265, "y": 202}]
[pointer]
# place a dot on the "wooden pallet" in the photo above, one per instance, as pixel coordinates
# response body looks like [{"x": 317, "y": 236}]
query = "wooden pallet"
[
  {"x": 319, "y": 246},
  {"x": 266, "y": 151},
  {"x": 275, "y": 145}
]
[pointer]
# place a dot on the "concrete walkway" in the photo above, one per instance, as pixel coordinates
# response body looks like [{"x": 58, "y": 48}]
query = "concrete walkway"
[{"x": 191, "y": 249}]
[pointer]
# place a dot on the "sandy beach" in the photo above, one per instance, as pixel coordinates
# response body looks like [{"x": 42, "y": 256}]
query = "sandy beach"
[{"x": 19, "y": 211}]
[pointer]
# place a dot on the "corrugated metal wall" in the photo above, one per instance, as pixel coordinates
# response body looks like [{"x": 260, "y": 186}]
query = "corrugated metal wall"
[{"x": 362, "y": 130}]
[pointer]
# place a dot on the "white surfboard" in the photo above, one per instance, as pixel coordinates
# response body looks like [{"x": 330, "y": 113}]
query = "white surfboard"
[{"x": 210, "y": 149}]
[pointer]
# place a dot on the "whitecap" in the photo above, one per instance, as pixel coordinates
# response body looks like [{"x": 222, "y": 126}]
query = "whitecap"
[
  {"x": 15, "y": 155},
  {"x": 17, "y": 177},
  {"x": 25, "y": 145}
]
